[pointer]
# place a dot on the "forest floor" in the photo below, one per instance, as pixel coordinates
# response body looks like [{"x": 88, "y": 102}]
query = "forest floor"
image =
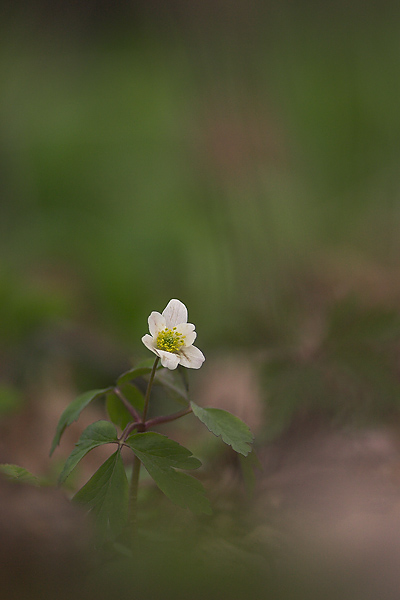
[
  {"x": 326, "y": 502},
  {"x": 331, "y": 501}
]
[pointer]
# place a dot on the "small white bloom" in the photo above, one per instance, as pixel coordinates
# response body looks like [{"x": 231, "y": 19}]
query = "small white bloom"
[{"x": 172, "y": 337}]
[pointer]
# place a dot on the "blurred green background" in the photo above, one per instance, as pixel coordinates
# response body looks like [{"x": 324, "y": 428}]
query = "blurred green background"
[{"x": 240, "y": 156}]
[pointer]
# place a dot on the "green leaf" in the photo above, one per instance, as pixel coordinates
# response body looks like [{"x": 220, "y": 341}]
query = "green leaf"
[
  {"x": 133, "y": 395},
  {"x": 165, "y": 451},
  {"x": 117, "y": 411},
  {"x": 174, "y": 385},
  {"x": 142, "y": 368},
  {"x": 160, "y": 456},
  {"x": 106, "y": 495},
  {"x": 232, "y": 430},
  {"x": 19, "y": 474},
  {"x": 72, "y": 412},
  {"x": 101, "y": 432},
  {"x": 182, "y": 489}
]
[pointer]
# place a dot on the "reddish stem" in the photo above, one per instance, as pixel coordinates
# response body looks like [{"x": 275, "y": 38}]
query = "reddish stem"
[
  {"x": 127, "y": 404},
  {"x": 167, "y": 418}
]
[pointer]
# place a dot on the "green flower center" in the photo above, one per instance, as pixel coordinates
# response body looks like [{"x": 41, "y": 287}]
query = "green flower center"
[{"x": 170, "y": 340}]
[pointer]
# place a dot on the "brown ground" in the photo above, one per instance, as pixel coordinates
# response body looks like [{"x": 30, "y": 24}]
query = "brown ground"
[
  {"x": 327, "y": 502},
  {"x": 332, "y": 503}
]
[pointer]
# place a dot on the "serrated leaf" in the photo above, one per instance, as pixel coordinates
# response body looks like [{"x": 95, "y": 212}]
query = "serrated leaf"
[
  {"x": 72, "y": 412},
  {"x": 105, "y": 495},
  {"x": 160, "y": 456},
  {"x": 222, "y": 423},
  {"x": 166, "y": 452},
  {"x": 142, "y": 368},
  {"x": 101, "y": 432},
  {"x": 19, "y": 475}
]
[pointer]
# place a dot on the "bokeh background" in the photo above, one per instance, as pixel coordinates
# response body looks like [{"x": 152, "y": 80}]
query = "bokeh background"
[{"x": 240, "y": 156}]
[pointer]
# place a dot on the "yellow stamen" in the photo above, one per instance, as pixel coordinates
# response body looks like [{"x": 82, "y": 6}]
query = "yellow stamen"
[{"x": 170, "y": 340}]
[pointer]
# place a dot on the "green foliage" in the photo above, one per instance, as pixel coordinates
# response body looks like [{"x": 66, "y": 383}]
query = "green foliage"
[
  {"x": 232, "y": 430},
  {"x": 142, "y": 368},
  {"x": 72, "y": 412},
  {"x": 105, "y": 495},
  {"x": 166, "y": 452},
  {"x": 161, "y": 456},
  {"x": 180, "y": 488},
  {"x": 133, "y": 395},
  {"x": 101, "y": 432},
  {"x": 117, "y": 412},
  {"x": 173, "y": 382},
  {"x": 19, "y": 474}
]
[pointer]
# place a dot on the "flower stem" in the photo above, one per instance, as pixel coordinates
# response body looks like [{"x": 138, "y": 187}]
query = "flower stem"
[
  {"x": 167, "y": 418},
  {"x": 133, "y": 492},
  {"x": 149, "y": 386},
  {"x": 127, "y": 404},
  {"x": 128, "y": 430}
]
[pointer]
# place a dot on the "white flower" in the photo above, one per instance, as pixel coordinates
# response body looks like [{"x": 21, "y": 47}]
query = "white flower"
[{"x": 172, "y": 337}]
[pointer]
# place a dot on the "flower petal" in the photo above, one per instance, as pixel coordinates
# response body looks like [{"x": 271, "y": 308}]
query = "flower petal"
[
  {"x": 175, "y": 313},
  {"x": 187, "y": 329},
  {"x": 189, "y": 339},
  {"x": 191, "y": 357},
  {"x": 168, "y": 359},
  {"x": 150, "y": 343},
  {"x": 156, "y": 323}
]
